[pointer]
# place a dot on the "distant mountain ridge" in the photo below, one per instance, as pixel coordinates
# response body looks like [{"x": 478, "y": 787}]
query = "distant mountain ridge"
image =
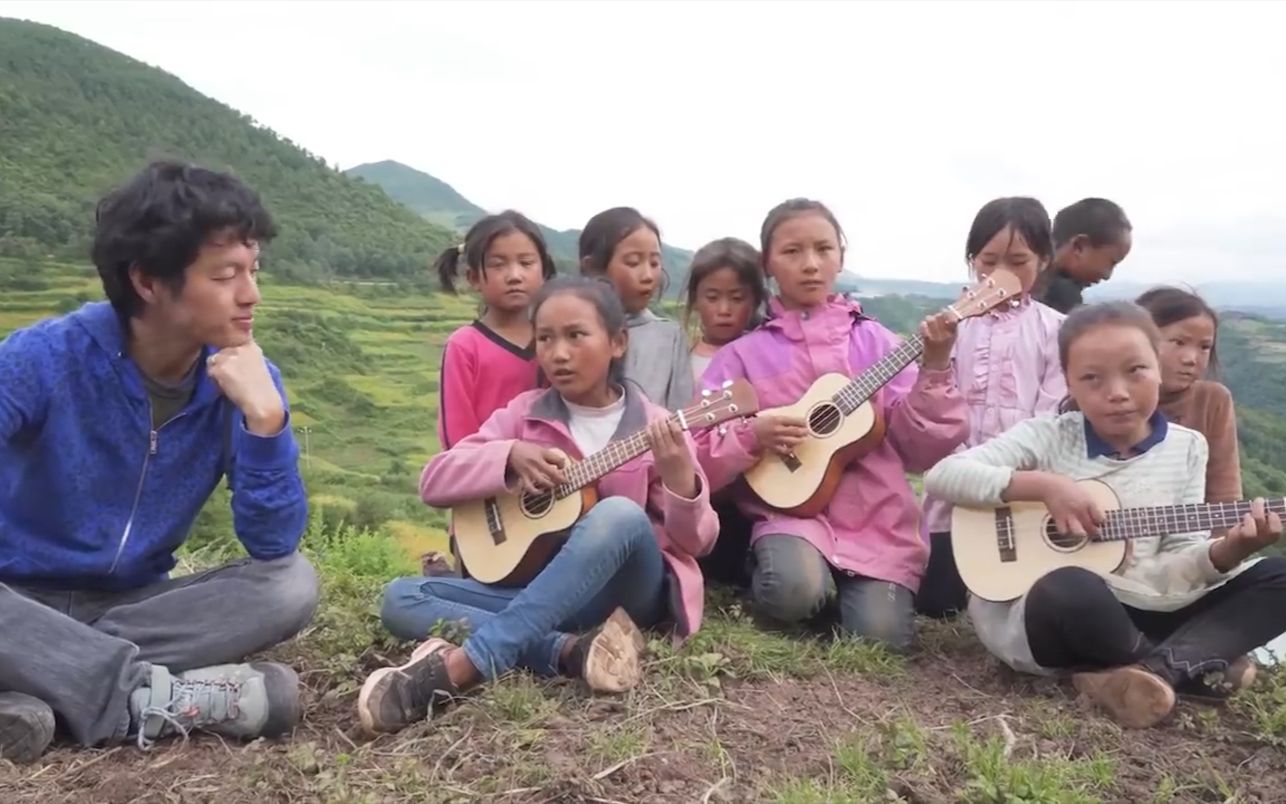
[
  {"x": 436, "y": 201},
  {"x": 77, "y": 118}
]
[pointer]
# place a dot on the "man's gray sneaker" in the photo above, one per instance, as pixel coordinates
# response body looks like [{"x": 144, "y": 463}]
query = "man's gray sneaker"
[
  {"x": 26, "y": 727},
  {"x": 243, "y": 701}
]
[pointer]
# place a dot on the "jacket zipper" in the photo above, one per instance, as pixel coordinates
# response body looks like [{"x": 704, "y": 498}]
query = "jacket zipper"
[{"x": 152, "y": 440}]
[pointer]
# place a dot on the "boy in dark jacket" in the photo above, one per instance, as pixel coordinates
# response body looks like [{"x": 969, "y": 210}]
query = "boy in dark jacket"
[{"x": 117, "y": 422}]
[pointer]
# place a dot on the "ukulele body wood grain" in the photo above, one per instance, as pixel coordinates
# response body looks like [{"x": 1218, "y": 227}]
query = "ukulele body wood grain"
[
  {"x": 524, "y": 537},
  {"x": 1001, "y": 552},
  {"x": 803, "y": 484}
]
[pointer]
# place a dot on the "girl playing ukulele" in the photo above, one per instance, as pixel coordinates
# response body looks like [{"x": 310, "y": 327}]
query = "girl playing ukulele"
[
  {"x": 1182, "y": 611},
  {"x": 630, "y": 561}
]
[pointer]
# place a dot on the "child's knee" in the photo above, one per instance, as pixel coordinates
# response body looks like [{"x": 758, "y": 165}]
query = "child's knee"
[
  {"x": 397, "y": 612},
  {"x": 790, "y": 588},
  {"x": 611, "y": 521},
  {"x": 880, "y": 611}
]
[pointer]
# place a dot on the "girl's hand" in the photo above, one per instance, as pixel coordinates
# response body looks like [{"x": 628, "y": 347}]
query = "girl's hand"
[
  {"x": 939, "y": 333},
  {"x": 1257, "y": 530},
  {"x": 780, "y": 434},
  {"x": 1071, "y": 507},
  {"x": 537, "y": 468},
  {"x": 673, "y": 458}
]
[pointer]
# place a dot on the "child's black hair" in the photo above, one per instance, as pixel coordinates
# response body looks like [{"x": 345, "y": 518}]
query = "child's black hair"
[
  {"x": 1170, "y": 305},
  {"x": 1024, "y": 216},
  {"x": 1102, "y": 221},
  {"x": 1086, "y": 318},
  {"x": 607, "y": 303},
  {"x": 736, "y": 254},
  {"x": 604, "y": 232},
  {"x": 480, "y": 237},
  {"x": 160, "y": 219},
  {"x": 791, "y": 209}
]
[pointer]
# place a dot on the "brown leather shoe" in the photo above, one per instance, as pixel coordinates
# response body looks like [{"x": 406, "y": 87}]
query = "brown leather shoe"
[{"x": 1132, "y": 696}]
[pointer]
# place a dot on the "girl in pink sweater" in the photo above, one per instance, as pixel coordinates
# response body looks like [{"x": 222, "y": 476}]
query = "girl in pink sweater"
[
  {"x": 631, "y": 560},
  {"x": 1006, "y": 366},
  {"x": 864, "y": 552},
  {"x": 487, "y": 363}
]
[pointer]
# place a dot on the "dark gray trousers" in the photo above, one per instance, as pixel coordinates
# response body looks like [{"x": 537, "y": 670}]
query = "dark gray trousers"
[{"x": 83, "y": 653}]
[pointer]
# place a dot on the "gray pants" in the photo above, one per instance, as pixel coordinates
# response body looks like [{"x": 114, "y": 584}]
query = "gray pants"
[
  {"x": 792, "y": 583},
  {"x": 83, "y": 653}
]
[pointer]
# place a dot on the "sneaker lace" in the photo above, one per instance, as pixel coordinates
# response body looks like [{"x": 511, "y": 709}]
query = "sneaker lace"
[{"x": 195, "y": 703}]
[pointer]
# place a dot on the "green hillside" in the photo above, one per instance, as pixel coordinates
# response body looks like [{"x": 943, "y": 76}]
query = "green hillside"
[
  {"x": 426, "y": 196},
  {"x": 77, "y": 118},
  {"x": 437, "y": 201}
]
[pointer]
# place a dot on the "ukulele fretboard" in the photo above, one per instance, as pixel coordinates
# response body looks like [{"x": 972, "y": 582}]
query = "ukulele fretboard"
[
  {"x": 863, "y": 387},
  {"x": 1136, "y": 523}
]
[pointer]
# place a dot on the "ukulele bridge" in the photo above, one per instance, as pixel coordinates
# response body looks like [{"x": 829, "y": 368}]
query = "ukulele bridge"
[
  {"x": 495, "y": 527},
  {"x": 1005, "y": 535}
]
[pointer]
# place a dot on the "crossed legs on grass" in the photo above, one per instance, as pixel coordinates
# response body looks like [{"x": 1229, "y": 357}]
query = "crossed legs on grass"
[
  {"x": 153, "y": 661},
  {"x": 609, "y": 577},
  {"x": 1132, "y": 661}
]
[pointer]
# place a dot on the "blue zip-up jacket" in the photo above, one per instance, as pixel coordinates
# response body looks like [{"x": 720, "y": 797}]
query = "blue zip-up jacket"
[{"x": 91, "y": 496}]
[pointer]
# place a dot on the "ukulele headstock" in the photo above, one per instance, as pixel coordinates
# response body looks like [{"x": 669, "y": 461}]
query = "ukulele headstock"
[
  {"x": 735, "y": 399},
  {"x": 996, "y": 288}
]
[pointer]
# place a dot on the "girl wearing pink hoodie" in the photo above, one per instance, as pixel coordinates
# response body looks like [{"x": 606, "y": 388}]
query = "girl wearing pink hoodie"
[
  {"x": 630, "y": 561},
  {"x": 864, "y": 552}
]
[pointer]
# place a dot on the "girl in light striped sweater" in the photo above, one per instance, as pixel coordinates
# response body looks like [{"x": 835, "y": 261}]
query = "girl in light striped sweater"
[{"x": 1182, "y": 611}]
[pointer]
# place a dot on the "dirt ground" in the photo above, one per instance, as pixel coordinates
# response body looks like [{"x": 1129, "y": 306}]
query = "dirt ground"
[{"x": 945, "y": 725}]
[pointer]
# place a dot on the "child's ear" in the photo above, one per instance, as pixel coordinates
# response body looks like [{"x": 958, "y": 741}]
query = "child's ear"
[
  {"x": 620, "y": 342},
  {"x": 586, "y": 266},
  {"x": 474, "y": 278}
]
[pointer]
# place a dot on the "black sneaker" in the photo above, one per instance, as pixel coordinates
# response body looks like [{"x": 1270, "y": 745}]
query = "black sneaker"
[
  {"x": 26, "y": 727},
  {"x": 1219, "y": 686},
  {"x": 609, "y": 658},
  {"x": 396, "y": 697}
]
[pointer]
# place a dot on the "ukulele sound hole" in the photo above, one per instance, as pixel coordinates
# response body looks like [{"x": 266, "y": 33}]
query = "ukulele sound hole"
[
  {"x": 824, "y": 419},
  {"x": 1063, "y": 542},
  {"x": 537, "y": 505}
]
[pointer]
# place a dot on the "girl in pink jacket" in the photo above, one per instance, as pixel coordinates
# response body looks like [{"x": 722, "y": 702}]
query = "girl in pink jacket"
[
  {"x": 1006, "y": 366},
  {"x": 865, "y": 550},
  {"x": 631, "y": 559}
]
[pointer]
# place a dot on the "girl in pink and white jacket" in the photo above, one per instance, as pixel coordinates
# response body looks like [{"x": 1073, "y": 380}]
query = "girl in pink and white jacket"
[
  {"x": 630, "y": 561},
  {"x": 1006, "y": 365},
  {"x": 865, "y": 550}
]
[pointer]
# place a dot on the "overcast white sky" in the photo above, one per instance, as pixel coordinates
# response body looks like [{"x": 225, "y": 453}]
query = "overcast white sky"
[{"x": 904, "y": 118}]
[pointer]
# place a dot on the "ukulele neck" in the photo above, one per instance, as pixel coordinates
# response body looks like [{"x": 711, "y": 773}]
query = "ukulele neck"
[{"x": 1139, "y": 523}]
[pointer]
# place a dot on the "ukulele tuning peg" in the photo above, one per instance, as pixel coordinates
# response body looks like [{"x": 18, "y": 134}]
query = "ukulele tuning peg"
[
  {"x": 727, "y": 384},
  {"x": 723, "y": 429},
  {"x": 705, "y": 393}
]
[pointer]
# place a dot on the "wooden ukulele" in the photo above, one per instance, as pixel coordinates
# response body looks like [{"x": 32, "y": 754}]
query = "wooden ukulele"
[
  {"x": 843, "y": 423},
  {"x": 1002, "y": 551},
  {"x": 508, "y": 539}
]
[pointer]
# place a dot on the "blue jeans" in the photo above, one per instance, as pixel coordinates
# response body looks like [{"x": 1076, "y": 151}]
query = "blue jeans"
[
  {"x": 793, "y": 582},
  {"x": 610, "y": 559}
]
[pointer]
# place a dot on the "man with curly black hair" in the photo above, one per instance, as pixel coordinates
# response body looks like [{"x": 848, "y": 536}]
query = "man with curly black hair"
[{"x": 117, "y": 422}]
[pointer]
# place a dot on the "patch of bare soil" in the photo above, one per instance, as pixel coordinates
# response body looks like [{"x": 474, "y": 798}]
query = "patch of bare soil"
[{"x": 683, "y": 741}]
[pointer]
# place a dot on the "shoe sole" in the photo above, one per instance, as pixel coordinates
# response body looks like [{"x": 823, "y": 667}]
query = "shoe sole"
[
  {"x": 26, "y": 727},
  {"x": 1133, "y": 697},
  {"x": 614, "y": 660},
  {"x": 378, "y": 681}
]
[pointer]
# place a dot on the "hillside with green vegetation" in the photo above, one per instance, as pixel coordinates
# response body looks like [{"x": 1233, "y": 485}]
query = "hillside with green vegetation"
[
  {"x": 77, "y": 118},
  {"x": 437, "y": 201}
]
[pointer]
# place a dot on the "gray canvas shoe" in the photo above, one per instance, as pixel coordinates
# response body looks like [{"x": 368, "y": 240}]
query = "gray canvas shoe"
[
  {"x": 26, "y": 727},
  {"x": 243, "y": 701}
]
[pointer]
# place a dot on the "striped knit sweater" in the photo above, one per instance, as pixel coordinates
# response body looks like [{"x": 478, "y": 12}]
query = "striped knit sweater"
[{"x": 1160, "y": 574}]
